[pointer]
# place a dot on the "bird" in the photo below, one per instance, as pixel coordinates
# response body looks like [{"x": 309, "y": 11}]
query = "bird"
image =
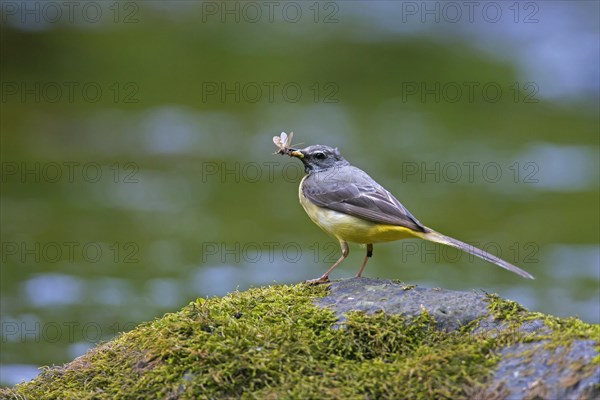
[{"x": 349, "y": 205}]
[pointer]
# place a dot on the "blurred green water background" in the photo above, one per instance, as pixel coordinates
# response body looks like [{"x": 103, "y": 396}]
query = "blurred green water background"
[{"x": 137, "y": 165}]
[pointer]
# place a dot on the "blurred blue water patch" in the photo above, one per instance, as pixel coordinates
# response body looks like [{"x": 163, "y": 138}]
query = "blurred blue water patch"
[
  {"x": 554, "y": 44},
  {"x": 562, "y": 168},
  {"x": 568, "y": 261},
  {"x": 16, "y": 373},
  {"x": 109, "y": 291},
  {"x": 79, "y": 348},
  {"x": 165, "y": 293},
  {"x": 50, "y": 290},
  {"x": 213, "y": 280},
  {"x": 575, "y": 263}
]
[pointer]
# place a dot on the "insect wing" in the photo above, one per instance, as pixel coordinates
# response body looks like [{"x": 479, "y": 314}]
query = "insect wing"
[{"x": 288, "y": 140}]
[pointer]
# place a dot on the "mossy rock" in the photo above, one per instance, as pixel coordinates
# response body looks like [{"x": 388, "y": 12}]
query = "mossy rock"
[{"x": 357, "y": 338}]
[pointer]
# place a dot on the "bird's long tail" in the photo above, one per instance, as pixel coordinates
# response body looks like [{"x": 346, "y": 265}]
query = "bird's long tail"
[{"x": 437, "y": 237}]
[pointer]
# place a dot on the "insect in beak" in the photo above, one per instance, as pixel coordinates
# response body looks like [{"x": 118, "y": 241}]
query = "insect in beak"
[
  {"x": 283, "y": 142},
  {"x": 284, "y": 145}
]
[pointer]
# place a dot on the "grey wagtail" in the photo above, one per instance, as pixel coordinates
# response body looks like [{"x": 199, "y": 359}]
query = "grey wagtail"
[{"x": 349, "y": 205}]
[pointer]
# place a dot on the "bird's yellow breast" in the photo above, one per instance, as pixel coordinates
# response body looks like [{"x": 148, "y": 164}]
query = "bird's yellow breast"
[{"x": 352, "y": 229}]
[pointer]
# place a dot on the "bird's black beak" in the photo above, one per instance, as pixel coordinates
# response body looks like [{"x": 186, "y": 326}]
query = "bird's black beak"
[{"x": 296, "y": 153}]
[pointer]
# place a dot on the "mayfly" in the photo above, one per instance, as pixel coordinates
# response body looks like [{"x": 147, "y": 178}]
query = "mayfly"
[{"x": 283, "y": 142}]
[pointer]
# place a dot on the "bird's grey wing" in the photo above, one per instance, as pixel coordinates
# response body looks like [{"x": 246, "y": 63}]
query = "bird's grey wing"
[{"x": 350, "y": 190}]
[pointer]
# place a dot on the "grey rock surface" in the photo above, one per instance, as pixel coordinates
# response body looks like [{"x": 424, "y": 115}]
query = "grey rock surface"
[
  {"x": 451, "y": 309},
  {"x": 529, "y": 370},
  {"x": 526, "y": 371}
]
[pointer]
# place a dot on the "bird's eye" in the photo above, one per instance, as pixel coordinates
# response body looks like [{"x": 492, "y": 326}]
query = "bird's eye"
[{"x": 320, "y": 156}]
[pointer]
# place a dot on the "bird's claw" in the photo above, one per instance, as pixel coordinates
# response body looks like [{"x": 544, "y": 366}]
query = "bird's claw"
[{"x": 317, "y": 281}]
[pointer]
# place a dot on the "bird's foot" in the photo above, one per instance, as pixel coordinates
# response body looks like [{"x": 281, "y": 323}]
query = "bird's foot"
[{"x": 318, "y": 281}]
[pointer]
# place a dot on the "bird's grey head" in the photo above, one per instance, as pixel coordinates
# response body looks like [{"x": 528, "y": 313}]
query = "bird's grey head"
[{"x": 319, "y": 157}]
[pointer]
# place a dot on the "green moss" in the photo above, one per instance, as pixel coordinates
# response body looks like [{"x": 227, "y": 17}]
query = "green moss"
[
  {"x": 274, "y": 342},
  {"x": 558, "y": 332}
]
